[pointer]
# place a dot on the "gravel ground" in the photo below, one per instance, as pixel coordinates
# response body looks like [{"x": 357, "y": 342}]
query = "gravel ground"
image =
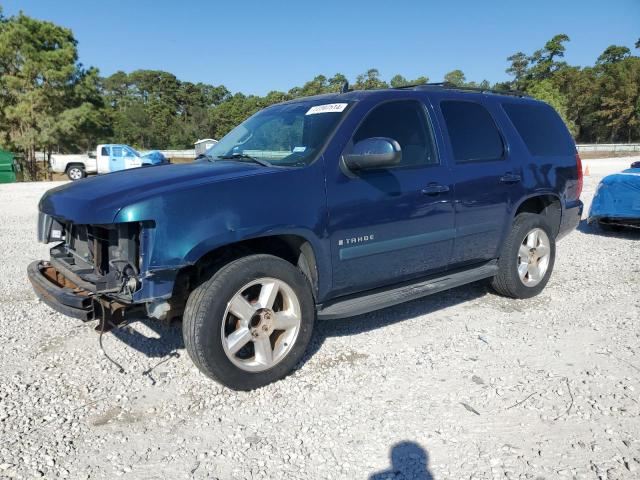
[{"x": 464, "y": 384}]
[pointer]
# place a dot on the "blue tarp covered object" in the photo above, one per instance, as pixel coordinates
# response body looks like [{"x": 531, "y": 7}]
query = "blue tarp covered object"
[
  {"x": 617, "y": 197},
  {"x": 154, "y": 157}
]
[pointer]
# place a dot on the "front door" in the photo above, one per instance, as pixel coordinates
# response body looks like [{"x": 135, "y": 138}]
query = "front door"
[
  {"x": 391, "y": 224},
  {"x": 131, "y": 158}
]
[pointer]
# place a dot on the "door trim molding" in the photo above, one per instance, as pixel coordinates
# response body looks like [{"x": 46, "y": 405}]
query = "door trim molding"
[{"x": 384, "y": 246}]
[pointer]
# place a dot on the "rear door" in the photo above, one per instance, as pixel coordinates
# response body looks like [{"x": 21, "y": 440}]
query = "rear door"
[
  {"x": 103, "y": 159},
  {"x": 485, "y": 178},
  {"x": 391, "y": 224}
]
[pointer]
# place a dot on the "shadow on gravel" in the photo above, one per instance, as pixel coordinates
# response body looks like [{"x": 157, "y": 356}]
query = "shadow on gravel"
[
  {"x": 388, "y": 316},
  {"x": 167, "y": 342},
  {"x": 408, "y": 461},
  {"x": 626, "y": 233}
]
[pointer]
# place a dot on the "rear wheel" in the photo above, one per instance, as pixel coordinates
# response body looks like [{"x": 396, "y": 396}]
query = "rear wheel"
[
  {"x": 527, "y": 258},
  {"x": 250, "y": 324},
  {"x": 76, "y": 172}
]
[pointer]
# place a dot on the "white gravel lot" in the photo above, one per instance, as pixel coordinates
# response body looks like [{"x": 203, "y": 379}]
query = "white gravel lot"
[{"x": 464, "y": 384}]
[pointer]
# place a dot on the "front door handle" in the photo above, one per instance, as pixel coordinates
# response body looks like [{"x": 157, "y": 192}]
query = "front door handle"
[
  {"x": 434, "y": 189},
  {"x": 510, "y": 178}
]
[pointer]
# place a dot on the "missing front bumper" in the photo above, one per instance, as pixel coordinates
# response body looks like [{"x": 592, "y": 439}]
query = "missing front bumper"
[{"x": 60, "y": 293}]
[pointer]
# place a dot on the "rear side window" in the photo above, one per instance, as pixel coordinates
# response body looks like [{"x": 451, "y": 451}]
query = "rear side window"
[
  {"x": 541, "y": 129},
  {"x": 405, "y": 122},
  {"x": 472, "y": 131}
]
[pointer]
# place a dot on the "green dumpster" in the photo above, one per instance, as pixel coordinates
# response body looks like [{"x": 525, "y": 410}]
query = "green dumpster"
[{"x": 7, "y": 173}]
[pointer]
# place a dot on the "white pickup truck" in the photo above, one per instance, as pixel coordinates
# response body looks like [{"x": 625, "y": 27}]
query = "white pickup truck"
[{"x": 107, "y": 158}]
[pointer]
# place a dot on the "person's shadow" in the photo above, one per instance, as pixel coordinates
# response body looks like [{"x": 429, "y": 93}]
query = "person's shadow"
[{"x": 409, "y": 461}]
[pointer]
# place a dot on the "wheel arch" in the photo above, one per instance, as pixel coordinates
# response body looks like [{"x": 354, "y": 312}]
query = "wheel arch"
[
  {"x": 297, "y": 249},
  {"x": 74, "y": 164},
  {"x": 547, "y": 204}
]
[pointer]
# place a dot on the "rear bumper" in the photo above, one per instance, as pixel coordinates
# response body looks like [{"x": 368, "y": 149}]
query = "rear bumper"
[
  {"x": 571, "y": 217},
  {"x": 66, "y": 298}
]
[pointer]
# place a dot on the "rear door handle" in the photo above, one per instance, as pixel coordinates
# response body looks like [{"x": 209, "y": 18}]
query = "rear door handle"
[
  {"x": 434, "y": 189},
  {"x": 510, "y": 178}
]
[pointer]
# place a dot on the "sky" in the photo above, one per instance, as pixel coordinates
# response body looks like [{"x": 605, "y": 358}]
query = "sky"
[{"x": 258, "y": 46}]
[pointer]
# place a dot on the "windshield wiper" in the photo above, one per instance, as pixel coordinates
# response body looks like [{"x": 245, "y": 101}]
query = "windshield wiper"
[
  {"x": 204, "y": 155},
  {"x": 244, "y": 156}
]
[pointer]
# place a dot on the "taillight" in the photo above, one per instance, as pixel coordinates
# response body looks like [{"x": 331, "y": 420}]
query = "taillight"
[{"x": 580, "y": 176}]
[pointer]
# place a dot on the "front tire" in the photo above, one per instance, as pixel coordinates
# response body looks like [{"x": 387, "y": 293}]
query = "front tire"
[
  {"x": 527, "y": 258},
  {"x": 250, "y": 324}
]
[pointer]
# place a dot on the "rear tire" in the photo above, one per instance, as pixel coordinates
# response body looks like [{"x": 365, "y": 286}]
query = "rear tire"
[
  {"x": 76, "y": 172},
  {"x": 250, "y": 324},
  {"x": 527, "y": 258}
]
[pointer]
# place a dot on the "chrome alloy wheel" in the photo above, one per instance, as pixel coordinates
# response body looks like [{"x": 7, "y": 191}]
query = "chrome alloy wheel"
[
  {"x": 533, "y": 257},
  {"x": 261, "y": 324},
  {"x": 75, "y": 173}
]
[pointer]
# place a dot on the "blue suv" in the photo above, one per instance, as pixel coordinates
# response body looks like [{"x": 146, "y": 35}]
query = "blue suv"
[{"x": 321, "y": 207}]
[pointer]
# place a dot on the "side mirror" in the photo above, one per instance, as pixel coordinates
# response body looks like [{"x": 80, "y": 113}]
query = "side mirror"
[
  {"x": 372, "y": 153},
  {"x": 635, "y": 164}
]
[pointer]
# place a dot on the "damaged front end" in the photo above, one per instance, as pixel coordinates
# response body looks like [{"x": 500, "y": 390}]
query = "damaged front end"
[{"x": 94, "y": 270}]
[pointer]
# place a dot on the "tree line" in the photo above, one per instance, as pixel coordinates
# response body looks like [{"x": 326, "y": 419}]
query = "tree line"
[{"x": 50, "y": 102}]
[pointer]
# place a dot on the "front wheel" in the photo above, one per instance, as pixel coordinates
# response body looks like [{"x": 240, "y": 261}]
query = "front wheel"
[
  {"x": 527, "y": 258},
  {"x": 250, "y": 324}
]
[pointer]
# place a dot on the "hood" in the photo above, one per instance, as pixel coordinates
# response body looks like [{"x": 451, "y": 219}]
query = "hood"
[{"x": 97, "y": 200}]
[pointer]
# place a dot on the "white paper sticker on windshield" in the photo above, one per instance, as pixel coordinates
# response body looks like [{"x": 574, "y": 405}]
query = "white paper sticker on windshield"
[{"x": 328, "y": 108}]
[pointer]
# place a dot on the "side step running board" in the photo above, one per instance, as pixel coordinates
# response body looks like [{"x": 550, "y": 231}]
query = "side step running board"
[{"x": 377, "y": 299}]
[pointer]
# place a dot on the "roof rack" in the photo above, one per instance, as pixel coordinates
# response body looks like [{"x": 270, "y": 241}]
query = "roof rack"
[{"x": 451, "y": 86}]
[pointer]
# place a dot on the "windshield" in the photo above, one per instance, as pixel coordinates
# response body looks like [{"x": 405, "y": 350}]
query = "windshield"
[{"x": 287, "y": 135}]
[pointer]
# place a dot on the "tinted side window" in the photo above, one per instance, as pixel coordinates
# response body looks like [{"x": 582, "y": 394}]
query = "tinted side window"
[
  {"x": 405, "y": 122},
  {"x": 104, "y": 152},
  {"x": 541, "y": 129},
  {"x": 472, "y": 131}
]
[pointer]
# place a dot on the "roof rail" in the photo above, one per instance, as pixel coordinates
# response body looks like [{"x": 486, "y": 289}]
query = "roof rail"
[
  {"x": 416, "y": 85},
  {"x": 451, "y": 86}
]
